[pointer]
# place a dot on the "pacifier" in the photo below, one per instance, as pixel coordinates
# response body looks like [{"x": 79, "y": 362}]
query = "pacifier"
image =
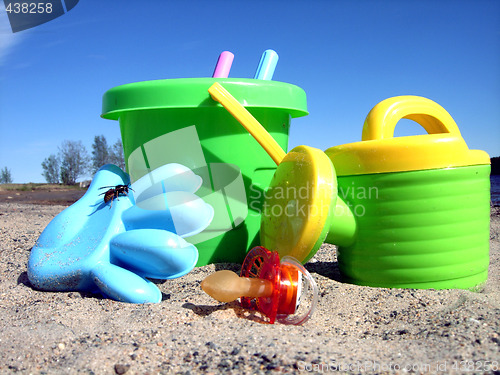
[{"x": 277, "y": 289}]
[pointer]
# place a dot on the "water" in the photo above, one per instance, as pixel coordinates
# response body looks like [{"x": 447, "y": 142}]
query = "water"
[{"x": 495, "y": 190}]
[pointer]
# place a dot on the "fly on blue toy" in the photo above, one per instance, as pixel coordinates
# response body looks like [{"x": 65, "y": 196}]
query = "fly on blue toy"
[{"x": 113, "y": 246}]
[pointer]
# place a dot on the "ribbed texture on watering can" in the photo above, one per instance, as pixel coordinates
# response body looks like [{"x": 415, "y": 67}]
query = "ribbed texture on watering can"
[{"x": 423, "y": 229}]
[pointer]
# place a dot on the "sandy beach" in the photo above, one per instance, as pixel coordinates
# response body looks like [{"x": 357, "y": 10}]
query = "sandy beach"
[{"x": 355, "y": 329}]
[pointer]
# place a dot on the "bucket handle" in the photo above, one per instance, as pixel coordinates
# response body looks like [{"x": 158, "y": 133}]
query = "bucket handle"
[{"x": 382, "y": 119}]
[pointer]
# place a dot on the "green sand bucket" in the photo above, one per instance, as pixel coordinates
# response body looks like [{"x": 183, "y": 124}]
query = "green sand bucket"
[
  {"x": 406, "y": 212},
  {"x": 176, "y": 121}
]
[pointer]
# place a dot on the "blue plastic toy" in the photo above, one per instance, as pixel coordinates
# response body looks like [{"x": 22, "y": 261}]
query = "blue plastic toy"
[{"x": 113, "y": 246}]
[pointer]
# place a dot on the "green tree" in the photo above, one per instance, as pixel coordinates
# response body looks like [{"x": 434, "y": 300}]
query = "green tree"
[
  {"x": 5, "y": 176},
  {"x": 51, "y": 169},
  {"x": 116, "y": 154},
  {"x": 100, "y": 152},
  {"x": 74, "y": 161}
]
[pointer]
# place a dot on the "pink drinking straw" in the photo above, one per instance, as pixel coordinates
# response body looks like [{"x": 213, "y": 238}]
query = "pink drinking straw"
[{"x": 223, "y": 65}]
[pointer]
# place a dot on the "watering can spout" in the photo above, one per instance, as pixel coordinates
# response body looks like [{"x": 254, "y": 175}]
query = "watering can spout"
[{"x": 343, "y": 226}]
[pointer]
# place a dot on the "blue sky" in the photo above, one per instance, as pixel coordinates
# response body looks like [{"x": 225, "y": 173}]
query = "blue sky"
[{"x": 346, "y": 55}]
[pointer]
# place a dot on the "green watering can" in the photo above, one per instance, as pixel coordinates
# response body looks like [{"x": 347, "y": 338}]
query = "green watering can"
[{"x": 405, "y": 212}]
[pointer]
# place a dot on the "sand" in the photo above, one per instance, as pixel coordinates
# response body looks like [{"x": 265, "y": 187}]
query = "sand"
[{"x": 355, "y": 329}]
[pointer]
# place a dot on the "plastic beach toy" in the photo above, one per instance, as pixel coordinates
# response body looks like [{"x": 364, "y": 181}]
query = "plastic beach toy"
[
  {"x": 113, "y": 247},
  {"x": 176, "y": 121},
  {"x": 274, "y": 288},
  {"x": 409, "y": 212},
  {"x": 421, "y": 203}
]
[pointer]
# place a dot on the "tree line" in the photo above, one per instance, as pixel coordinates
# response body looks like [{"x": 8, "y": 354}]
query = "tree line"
[{"x": 73, "y": 161}]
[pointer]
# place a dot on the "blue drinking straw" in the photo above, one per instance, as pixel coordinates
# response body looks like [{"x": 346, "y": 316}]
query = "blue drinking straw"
[{"x": 267, "y": 64}]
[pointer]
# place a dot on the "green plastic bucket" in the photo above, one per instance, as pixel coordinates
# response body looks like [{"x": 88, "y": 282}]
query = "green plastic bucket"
[{"x": 176, "y": 121}]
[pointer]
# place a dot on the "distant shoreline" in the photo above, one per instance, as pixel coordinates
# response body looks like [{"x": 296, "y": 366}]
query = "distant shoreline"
[{"x": 45, "y": 194}]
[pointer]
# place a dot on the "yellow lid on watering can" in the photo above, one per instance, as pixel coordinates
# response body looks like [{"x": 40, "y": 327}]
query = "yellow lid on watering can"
[{"x": 380, "y": 152}]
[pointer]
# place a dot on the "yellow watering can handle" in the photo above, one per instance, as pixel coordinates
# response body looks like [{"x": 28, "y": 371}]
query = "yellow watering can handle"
[
  {"x": 382, "y": 119},
  {"x": 380, "y": 152}
]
